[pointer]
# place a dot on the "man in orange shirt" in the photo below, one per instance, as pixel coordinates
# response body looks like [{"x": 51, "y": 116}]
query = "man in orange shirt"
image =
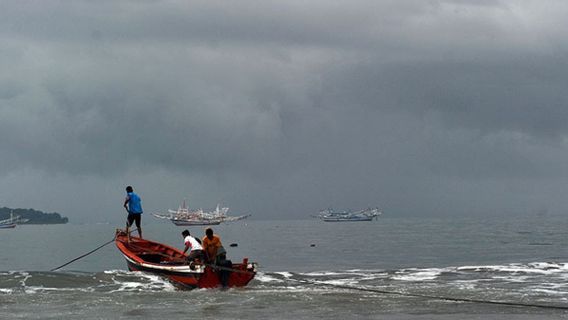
[{"x": 211, "y": 244}]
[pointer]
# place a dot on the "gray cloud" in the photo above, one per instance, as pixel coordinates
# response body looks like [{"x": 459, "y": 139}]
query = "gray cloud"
[{"x": 280, "y": 109}]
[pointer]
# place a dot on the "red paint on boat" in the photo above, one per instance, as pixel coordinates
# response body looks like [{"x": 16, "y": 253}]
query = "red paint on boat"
[{"x": 157, "y": 258}]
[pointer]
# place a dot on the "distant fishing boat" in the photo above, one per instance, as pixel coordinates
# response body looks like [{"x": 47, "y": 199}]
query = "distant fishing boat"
[
  {"x": 195, "y": 222},
  {"x": 7, "y": 225},
  {"x": 153, "y": 257},
  {"x": 183, "y": 216},
  {"x": 329, "y": 215},
  {"x": 12, "y": 221}
]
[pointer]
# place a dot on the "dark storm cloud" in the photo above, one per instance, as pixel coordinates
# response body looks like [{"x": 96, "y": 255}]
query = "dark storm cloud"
[
  {"x": 525, "y": 95},
  {"x": 418, "y": 106}
]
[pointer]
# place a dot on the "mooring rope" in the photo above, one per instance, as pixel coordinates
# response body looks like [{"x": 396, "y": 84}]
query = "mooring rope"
[
  {"x": 426, "y": 296},
  {"x": 82, "y": 256},
  {"x": 86, "y": 254}
]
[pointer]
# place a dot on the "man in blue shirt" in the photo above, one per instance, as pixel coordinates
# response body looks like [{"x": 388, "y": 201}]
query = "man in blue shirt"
[{"x": 133, "y": 205}]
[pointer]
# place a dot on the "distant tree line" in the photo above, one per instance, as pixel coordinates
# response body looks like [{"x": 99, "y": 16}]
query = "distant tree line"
[{"x": 34, "y": 216}]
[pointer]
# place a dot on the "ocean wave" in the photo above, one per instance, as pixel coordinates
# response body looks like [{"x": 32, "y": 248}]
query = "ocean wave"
[
  {"x": 537, "y": 281},
  {"x": 520, "y": 279},
  {"x": 535, "y": 267},
  {"x": 24, "y": 282},
  {"x": 139, "y": 281},
  {"x": 418, "y": 274},
  {"x": 264, "y": 278}
]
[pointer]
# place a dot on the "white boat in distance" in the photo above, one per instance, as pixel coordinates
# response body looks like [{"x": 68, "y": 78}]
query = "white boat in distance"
[
  {"x": 183, "y": 216},
  {"x": 329, "y": 215},
  {"x": 12, "y": 221}
]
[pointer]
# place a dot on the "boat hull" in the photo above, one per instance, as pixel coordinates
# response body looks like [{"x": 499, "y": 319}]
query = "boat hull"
[
  {"x": 195, "y": 222},
  {"x": 7, "y": 226},
  {"x": 153, "y": 257},
  {"x": 351, "y": 219},
  {"x": 329, "y": 215}
]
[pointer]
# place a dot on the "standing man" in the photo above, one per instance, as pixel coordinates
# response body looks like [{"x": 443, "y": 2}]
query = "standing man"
[
  {"x": 133, "y": 205},
  {"x": 194, "y": 247}
]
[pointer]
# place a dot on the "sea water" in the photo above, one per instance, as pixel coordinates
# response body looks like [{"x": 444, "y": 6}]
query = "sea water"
[{"x": 393, "y": 268}]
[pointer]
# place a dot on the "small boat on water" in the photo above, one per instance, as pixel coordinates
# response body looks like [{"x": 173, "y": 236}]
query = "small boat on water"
[
  {"x": 7, "y": 225},
  {"x": 12, "y": 221},
  {"x": 329, "y": 215},
  {"x": 183, "y": 216},
  {"x": 154, "y": 257}
]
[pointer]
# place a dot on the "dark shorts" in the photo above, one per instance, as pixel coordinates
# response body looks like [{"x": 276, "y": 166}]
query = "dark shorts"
[
  {"x": 133, "y": 217},
  {"x": 195, "y": 254}
]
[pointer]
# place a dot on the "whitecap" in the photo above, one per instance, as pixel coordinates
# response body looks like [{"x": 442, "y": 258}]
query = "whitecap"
[
  {"x": 324, "y": 273},
  {"x": 543, "y": 268},
  {"x": 417, "y": 274},
  {"x": 549, "y": 292},
  {"x": 516, "y": 279},
  {"x": 340, "y": 282},
  {"x": 42, "y": 289},
  {"x": 285, "y": 274},
  {"x": 266, "y": 278},
  {"x": 117, "y": 271},
  {"x": 145, "y": 281},
  {"x": 7, "y": 291},
  {"x": 363, "y": 274}
]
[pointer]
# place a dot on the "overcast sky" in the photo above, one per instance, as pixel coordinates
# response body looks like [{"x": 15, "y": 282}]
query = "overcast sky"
[{"x": 283, "y": 108}]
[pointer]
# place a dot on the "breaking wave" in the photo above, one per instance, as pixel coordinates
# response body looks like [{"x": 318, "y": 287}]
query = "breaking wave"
[
  {"x": 538, "y": 281},
  {"x": 28, "y": 282}
]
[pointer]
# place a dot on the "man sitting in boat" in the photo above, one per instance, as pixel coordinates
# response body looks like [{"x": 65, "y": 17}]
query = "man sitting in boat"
[
  {"x": 211, "y": 245},
  {"x": 191, "y": 244},
  {"x": 216, "y": 254}
]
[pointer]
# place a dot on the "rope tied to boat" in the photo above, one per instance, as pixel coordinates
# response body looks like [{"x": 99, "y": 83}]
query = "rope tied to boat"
[{"x": 88, "y": 253}]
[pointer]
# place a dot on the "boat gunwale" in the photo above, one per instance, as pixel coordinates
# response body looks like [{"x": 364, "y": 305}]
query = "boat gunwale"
[
  {"x": 182, "y": 269},
  {"x": 133, "y": 257}
]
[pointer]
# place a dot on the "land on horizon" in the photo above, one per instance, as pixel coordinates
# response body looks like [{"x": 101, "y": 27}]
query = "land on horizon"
[{"x": 33, "y": 216}]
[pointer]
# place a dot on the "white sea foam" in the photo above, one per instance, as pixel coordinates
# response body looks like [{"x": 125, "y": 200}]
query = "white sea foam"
[
  {"x": 555, "y": 285},
  {"x": 139, "y": 281},
  {"x": 418, "y": 274},
  {"x": 466, "y": 284},
  {"x": 325, "y": 273},
  {"x": 285, "y": 274},
  {"x": 365, "y": 270},
  {"x": 262, "y": 277},
  {"x": 512, "y": 279},
  {"x": 549, "y": 292},
  {"x": 117, "y": 271},
  {"x": 543, "y": 268},
  {"x": 296, "y": 289},
  {"x": 42, "y": 289},
  {"x": 25, "y": 276},
  {"x": 341, "y": 282},
  {"x": 363, "y": 274}
]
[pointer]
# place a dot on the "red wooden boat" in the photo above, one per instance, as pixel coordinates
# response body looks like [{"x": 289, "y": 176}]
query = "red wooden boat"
[{"x": 153, "y": 257}]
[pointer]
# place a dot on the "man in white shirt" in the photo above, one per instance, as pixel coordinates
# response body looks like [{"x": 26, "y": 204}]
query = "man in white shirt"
[{"x": 194, "y": 247}]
